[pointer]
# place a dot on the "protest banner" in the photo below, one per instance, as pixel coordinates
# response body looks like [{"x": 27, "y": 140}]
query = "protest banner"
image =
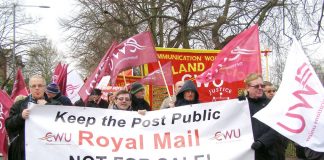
[
  {"x": 19, "y": 86},
  {"x": 96, "y": 75},
  {"x": 57, "y": 72},
  {"x": 298, "y": 103},
  {"x": 134, "y": 51},
  {"x": 239, "y": 58},
  {"x": 156, "y": 77},
  {"x": 187, "y": 64},
  {"x": 74, "y": 83},
  {"x": 207, "y": 131},
  {"x": 5, "y": 104}
]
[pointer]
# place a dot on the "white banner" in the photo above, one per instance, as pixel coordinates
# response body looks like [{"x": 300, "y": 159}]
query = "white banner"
[
  {"x": 298, "y": 104},
  {"x": 207, "y": 131}
]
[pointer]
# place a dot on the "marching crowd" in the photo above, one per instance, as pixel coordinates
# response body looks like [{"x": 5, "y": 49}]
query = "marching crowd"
[{"x": 268, "y": 144}]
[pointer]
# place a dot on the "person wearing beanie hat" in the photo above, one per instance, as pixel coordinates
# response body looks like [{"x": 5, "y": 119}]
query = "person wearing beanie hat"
[
  {"x": 138, "y": 102},
  {"x": 52, "y": 88},
  {"x": 136, "y": 87},
  {"x": 53, "y": 92}
]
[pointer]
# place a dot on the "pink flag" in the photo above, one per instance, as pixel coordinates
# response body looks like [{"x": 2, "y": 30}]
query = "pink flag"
[
  {"x": 5, "y": 103},
  {"x": 19, "y": 87},
  {"x": 57, "y": 72},
  {"x": 96, "y": 76},
  {"x": 134, "y": 51},
  {"x": 62, "y": 78},
  {"x": 156, "y": 78},
  {"x": 240, "y": 57}
]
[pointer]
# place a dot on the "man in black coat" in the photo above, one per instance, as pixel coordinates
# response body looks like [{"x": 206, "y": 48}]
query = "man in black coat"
[
  {"x": 15, "y": 123},
  {"x": 53, "y": 92},
  {"x": 94, "y": 100},
  {"x": 267, "y": 142}
]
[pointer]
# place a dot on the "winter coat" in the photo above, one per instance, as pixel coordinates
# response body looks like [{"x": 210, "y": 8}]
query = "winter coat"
[
  {"x": 139, "y": 104},
  {"x": 79, "y": 103},
  {"x": 187, "y": 86},
  {"x": 273, "y": 148},
  {"x": 63, "y": 99},
  {"x": 102, "y": 104},
  {"x": 313, "y": 155},
  {"x": 15, "y": 126}
]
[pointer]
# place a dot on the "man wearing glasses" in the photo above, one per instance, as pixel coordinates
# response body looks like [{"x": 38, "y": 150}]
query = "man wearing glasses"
[
  {"x": 15, "y": 123},
  {"x": 269, "y": 89},
  {"x": 266, "y": 141},
  {"x": 123, "y": 101}
]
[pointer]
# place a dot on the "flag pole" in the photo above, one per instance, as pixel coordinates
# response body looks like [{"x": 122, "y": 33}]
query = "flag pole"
[
  {"x": 173, "y": 88},
  {"x": 124, "y": 78},
  {"x": 166, "y": 85},
  {"x": 266, "y": 54}
]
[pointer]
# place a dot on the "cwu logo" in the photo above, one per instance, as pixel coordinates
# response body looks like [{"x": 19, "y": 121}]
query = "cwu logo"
[
  {"x": 57, "y": 138},
  {"x": 226, "y": 135},
  {"x": 70, "y": 88}
]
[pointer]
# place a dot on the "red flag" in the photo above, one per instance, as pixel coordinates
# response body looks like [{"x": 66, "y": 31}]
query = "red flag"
[
  {"x": 240, "y": 57},
  {"x": 156, "y": 78},
  {"x": 57, "y": 72},
  {"x": 96, "y": 76},
  {"x": 62, "y": 78},
  {"x": 19, "y": 87},
  {"x": 134, "y": 51},
  {"x": 5, "y": 104}
]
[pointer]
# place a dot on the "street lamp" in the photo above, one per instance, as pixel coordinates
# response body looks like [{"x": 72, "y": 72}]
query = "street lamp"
[{"x": 14, "y": 30}]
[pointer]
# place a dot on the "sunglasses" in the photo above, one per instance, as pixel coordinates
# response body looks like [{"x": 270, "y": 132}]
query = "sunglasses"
[
  {"x": 123, "y": 99},
  {"x": 269, "y": 91},
  {"x": 258, "y": 86}
]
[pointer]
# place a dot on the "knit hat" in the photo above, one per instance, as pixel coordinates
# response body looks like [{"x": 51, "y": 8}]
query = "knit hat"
[
  {"x": 53, "y": 88},
  {"x": 96, "y": 92},
  {"x": 136, "y": 87}
]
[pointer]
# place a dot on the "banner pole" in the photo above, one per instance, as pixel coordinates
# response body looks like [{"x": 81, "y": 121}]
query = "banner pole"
[
  {"x": 166, "y": 85},
  {"x": 266, "y": 54},
  {"x": 124, "y": 79}
]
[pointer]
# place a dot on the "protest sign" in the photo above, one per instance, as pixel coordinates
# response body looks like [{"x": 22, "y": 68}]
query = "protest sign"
[{"x": 207, "y": 131}]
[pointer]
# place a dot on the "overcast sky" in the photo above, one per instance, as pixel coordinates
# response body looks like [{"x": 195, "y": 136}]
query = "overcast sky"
[{"x": 49, "y": 19}]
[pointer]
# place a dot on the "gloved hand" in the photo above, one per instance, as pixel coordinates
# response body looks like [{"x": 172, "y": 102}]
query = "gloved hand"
[{"x": 257, "y": 145}]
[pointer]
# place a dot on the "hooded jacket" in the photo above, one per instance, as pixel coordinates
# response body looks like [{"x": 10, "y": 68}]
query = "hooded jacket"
[{"x": 187, "y": 86}]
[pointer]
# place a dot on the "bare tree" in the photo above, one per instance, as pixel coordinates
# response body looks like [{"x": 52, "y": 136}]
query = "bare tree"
[
  {"x": 42, "y": 59},
  {"x": 22, "y": 40},
  {"x": 193, "y": 24}
]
